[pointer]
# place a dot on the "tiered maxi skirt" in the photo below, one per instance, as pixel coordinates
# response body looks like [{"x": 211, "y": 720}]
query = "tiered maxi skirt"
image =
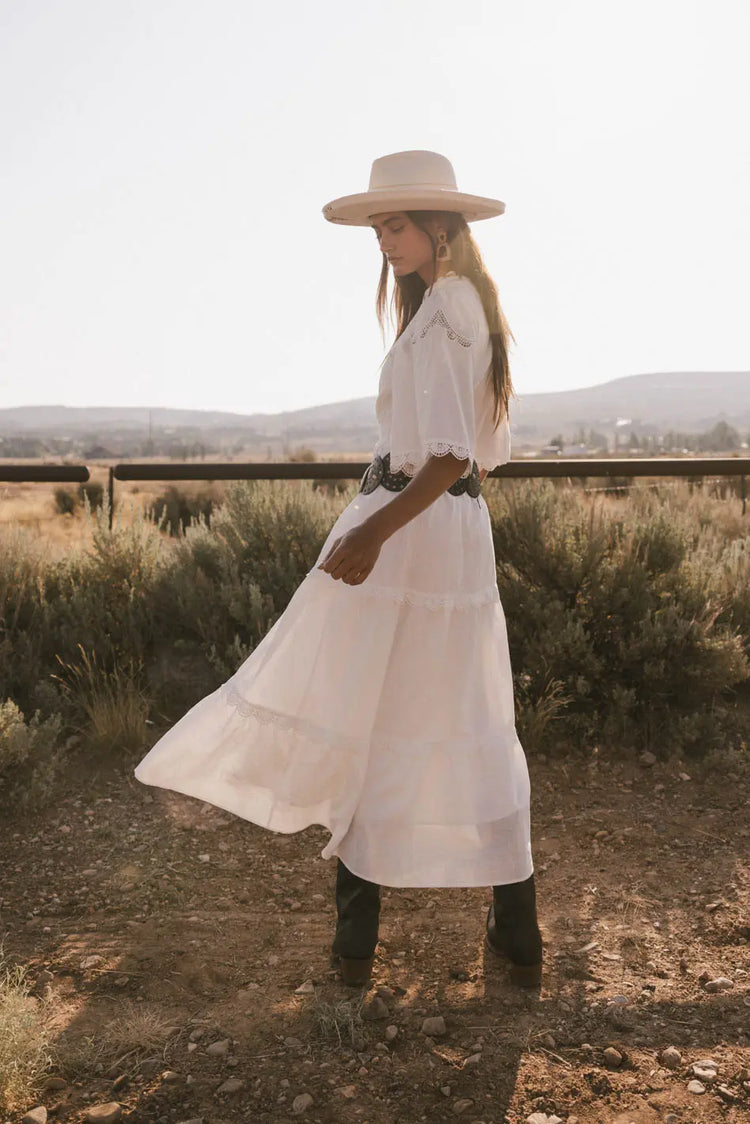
[{"x": 383, "y": 711}]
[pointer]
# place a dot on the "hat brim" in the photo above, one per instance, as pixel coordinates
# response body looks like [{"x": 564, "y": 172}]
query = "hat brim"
[{"x": 355, "y": 210}]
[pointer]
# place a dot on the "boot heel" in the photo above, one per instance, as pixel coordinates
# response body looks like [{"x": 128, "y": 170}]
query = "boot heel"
[
  {"x": 522, "y": 975},
  {"x": 526, "y": 975},
  {"x": 355, "y": 972}
]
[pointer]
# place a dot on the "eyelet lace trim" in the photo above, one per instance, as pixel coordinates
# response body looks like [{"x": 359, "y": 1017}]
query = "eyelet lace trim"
[
  {"x": 442, "y": 448},
  {"x": 402, "y": 596},
  {"x": 332, "y": 739},
  {"x": 411, "y": 461},
  {"x": 440, "y": 318},
  {"x": 288, "y": 722}
]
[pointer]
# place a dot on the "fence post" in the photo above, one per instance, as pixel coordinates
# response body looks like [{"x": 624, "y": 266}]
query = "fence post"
[
  {"x": 742, "y": 493},
  {"x": 111, "y": 499}
]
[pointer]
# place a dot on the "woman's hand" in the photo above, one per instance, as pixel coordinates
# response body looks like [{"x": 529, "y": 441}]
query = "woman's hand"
[{"x": 353, "y": 555}]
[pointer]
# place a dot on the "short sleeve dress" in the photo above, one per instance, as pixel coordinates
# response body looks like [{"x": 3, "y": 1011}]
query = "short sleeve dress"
[{"x": 384, "y": 711}]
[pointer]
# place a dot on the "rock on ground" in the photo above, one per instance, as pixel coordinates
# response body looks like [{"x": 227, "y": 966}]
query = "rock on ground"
[
  {"x": 104, "y": 1113},
  {"x": 36, "y": 1115},
  {"x": 301, "y": 1103},
  {"x": 231, "y": 1085},
  {"x": 671, "y": 1057},
  {"x": 217, "y": 1049},
  {"x": 721, "y": 983}
]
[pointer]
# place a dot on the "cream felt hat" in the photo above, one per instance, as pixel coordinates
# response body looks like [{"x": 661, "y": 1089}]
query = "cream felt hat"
[{"x": 415, "y": 180}]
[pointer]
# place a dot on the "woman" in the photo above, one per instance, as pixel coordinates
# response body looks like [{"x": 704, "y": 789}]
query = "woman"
[{"x": 380, "y": 703}]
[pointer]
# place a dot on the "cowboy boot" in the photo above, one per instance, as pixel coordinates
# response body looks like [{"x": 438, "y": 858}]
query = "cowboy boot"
[
  {"x": 512, "y": 931},
  {"x": 356, "y": 937}
]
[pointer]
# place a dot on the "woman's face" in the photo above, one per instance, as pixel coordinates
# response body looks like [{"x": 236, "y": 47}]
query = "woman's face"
[{"x": 407, "y": 248}]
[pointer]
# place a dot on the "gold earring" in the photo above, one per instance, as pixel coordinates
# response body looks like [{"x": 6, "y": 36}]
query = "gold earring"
[{"x": 443, "y": 250}]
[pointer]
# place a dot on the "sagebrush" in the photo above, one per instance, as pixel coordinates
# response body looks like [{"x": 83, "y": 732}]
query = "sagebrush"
[{"x": 628, "y": 617}]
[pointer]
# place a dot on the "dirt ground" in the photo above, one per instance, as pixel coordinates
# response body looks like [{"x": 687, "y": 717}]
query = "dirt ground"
[{"x": 203, "y": 927}]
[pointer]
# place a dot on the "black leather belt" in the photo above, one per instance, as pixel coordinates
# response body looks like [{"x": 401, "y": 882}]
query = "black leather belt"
[{"x": 379, "y": 472}]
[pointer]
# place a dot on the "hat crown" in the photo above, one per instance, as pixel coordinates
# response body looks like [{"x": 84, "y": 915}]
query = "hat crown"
[
  {"x": 407, "y": 181},
  {"x": 414, "y": 168}
]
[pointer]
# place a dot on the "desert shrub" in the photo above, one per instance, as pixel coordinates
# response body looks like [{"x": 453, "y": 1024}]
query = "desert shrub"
[
  {"x": 227, "y": 585},
  {"x": 31, "y": 756},
  {"x": 628, "y": 619},
  {"x": 22, "y": 581},
  {"x": 732, "y": 581},
  {"x": 99, "y": 598},
  {"x": 274, "y": 531},
  {"x": 641, "y": 642},
  {"x": 66, "y": 501},
  {"x": 176, "y": 510},
  {"x": 25, "y": 1056},
  {"x": 207, "y": 593},
  {"x": 93, "y": 492}
]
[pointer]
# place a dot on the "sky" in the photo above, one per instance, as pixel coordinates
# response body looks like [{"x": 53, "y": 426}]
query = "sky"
[{"x": 164, "y": 164}]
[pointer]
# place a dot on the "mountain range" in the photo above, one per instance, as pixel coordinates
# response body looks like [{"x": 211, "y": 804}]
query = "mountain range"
[{"x": 688, "y": 401}]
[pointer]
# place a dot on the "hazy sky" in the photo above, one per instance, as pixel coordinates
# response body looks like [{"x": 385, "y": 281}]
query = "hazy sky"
[{"x": 163, "y": 165}]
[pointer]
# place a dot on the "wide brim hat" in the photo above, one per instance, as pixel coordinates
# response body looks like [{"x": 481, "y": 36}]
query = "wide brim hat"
[{"x": 416, "y": 180}]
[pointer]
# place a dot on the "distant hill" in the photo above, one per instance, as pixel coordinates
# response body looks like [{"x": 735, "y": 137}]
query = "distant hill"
[
  {"x": 691, "y": 401},
  {"x": 80, "y": 419}
]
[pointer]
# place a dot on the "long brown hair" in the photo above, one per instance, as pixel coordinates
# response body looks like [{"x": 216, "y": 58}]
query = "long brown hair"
[{"x": 466, "y": 260}]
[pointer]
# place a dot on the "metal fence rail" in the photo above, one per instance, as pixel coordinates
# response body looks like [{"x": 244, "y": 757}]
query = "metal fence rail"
[
  {"x": 574, "y": 468},
  {"x": 580, "y": 468},
  {"x": 43, "y": 473}
]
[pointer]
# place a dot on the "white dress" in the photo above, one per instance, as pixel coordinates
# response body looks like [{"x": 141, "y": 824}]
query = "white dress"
[{"x": 384, "y": 711}]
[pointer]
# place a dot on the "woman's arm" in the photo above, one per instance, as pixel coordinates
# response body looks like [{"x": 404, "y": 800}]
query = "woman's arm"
[
  {"x": 353, "y": 556},
  {"x": 434, "y": 477}
]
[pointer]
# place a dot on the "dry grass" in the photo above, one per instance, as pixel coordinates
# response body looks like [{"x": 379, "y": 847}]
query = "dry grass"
[
  {"x": 534, "y": 717},
  {"x": 632, "y": 903},
  {"x": 130, "y": 1031},
  {"x": 25, "y": 1054},
  {"x": 341, "y": 1020},
  {"x": 113, "y": 704},
  {"x": 32, "y": 507}
]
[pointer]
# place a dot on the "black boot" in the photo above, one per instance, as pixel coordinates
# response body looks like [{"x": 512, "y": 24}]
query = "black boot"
[
  {"x": 358, "y": 914},
  {"x": 512, "y": 930}
]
